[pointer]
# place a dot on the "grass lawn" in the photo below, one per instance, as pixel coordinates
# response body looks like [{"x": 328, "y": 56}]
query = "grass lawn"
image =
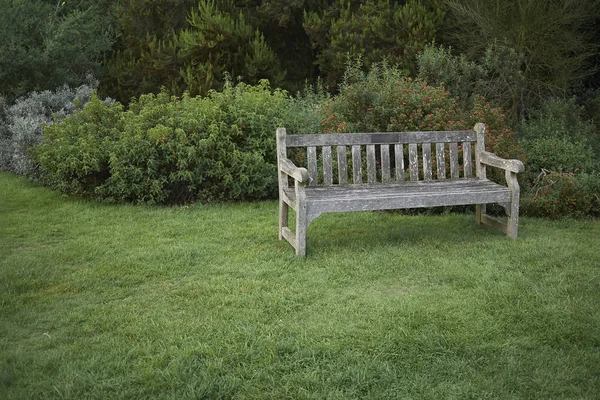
[{"x": 100, "y": 301}]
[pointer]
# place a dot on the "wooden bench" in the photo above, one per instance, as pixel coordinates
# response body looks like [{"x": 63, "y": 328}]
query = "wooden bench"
[{"x": 403, "y": 170}]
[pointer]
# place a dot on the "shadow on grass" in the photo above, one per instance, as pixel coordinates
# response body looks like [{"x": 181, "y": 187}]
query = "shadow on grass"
[{"x": 384, "y": 229}]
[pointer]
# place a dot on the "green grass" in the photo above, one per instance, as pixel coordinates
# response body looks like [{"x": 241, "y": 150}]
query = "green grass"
[{"x": 100, "y": 301}]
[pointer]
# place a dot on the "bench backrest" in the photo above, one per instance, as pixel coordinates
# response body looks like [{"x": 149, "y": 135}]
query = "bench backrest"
[{"x": 390, "y": 157}]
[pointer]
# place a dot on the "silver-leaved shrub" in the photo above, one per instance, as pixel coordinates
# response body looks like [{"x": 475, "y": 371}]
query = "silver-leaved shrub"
[{"x": 21, "y": 124}]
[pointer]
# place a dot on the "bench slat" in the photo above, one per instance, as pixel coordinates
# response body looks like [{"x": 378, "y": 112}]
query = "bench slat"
[
  {"x": 371, "y": 164},
  {"x": 385, "y": 164},
  {"x": 406, "y": 195},
  {"x": 327, "y": 168},
  {"x": 467, "y": 164},
  {"x": 413, "y": 162},
  {"x": 441, "y": 161},
  {"x": 342, "y": 165},
  {"x": 399, "y": 158},
  {"x": 311, "y": 153},
  {"x": 356, "y": 165},
  {"x": 454, "y": 160},
  {"x": 348, "y": 139},
  {"x": 427, "y": 174}
]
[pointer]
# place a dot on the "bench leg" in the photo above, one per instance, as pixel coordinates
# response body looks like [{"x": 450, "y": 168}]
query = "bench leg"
[
  {"x": 301, "y": 227},
  {"x": 480, "y": 209},
  {"x": 283, "y": 217},
  {"x": 512, "y": 229}
]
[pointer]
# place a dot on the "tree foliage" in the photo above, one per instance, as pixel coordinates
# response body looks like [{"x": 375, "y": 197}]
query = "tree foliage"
[
  {"x": 217, "y": 43},
  {"x": 44, "y": 45},
  {"x": 195, "y": 55},
  {"x": 554, "y": 38},
  {"x": 377, "y": 30}
]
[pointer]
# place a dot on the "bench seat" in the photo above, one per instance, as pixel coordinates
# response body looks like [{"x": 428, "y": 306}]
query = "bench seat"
[{"x": 407, "y": 195}]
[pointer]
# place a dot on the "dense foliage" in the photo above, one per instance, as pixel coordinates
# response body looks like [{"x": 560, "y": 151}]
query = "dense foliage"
[
  {"x": 495, "y": 75},
  {"x": 21, "y": 124},
  {"x": 383, "y": 100},
  {"x": 555, "y": 41},
  {"x": 563, "y": 161},
  {"x": 380, "y": 30},
  {"x": 556, "y": 195},
  {"x": 211, "y": 45},
  {"x": 171, "y": 150},
  {"x": 139, "y": 46},
  {"x": 46, "y": 44}
]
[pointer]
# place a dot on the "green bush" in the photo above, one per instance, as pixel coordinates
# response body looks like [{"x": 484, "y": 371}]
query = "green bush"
[
  {"x": 556, "y": 195},
  {"x": 439, "y": 67},
  {"x": 557, "y": 138},
  {"x": 380, "y": 30},
  {"x": 160, "y": 48},
  {"x": 384, "y": 100},
  {"x": 559, "y": 155},
  {"x": 175, "y": 150},
  {"x": 75, "y": 153},
  {"x": 554, "y": 40},
  {"x": 496, "y": 75},
  {"x": 178, "y": 150}
]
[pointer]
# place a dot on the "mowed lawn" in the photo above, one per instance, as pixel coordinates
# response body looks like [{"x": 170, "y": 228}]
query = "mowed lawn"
[{"x": 133, "y": 302}]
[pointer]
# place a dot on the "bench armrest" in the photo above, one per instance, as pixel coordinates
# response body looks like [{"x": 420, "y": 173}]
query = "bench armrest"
[
  {"x": 493, "y": 160},
  {"x": 300, "y": 174}
]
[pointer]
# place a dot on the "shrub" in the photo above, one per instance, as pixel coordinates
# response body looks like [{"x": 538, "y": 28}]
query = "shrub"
[
  {"x": 496, "y": 75},
  {"x": 554, "y": 40},
  {"x": 380, "y": 30},
  {"x": 21, "y": 124},
  {"x": 557, "y": 138},
  {"x": 439, "y": 67},
  {"x": 178, "y": 150},
  {"x": 384, "y": 100},
  {"x": 75, "y": 153},
  {"x": 559, "y": 155},
  {"x": 174, "y": 150},
  {"x": 160, "y": 49},
  {"x": 556, "y": 195}
]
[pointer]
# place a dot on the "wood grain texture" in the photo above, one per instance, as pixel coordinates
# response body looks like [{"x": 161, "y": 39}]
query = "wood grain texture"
[
  {"x": 467, "y": 164},
  {"x": 311, "y": 153},
  {"x": 413, "y": 161},
  {"x": 327, "y": 166},
  {"x": 440, "y": 157},
  {"x": 427, "y": 173},
  {"x": 494, "y": 161},
  {"x": 342, "y": 165},
  {"x": 399, "y": 159},
  {"x": 454, "y": 174},
  {"x": 348, "y": 139},
  {"x": 385, "y": 164},
  {"x": 480, "y": 148},
  {"x": 371, "y": 165},
  {"x": 356, "y": 165}
]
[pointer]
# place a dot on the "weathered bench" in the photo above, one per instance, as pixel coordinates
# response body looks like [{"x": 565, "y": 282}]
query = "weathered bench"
[{"x": 402, "y": 171}]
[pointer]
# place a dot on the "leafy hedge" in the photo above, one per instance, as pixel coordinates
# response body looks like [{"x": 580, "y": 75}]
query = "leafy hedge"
[
  {"x": 171, "y": 150},
  {"x": 556, "y": 195},
  {"x": 563, "y": 161},
  {"x": 165, "y": 149}
]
